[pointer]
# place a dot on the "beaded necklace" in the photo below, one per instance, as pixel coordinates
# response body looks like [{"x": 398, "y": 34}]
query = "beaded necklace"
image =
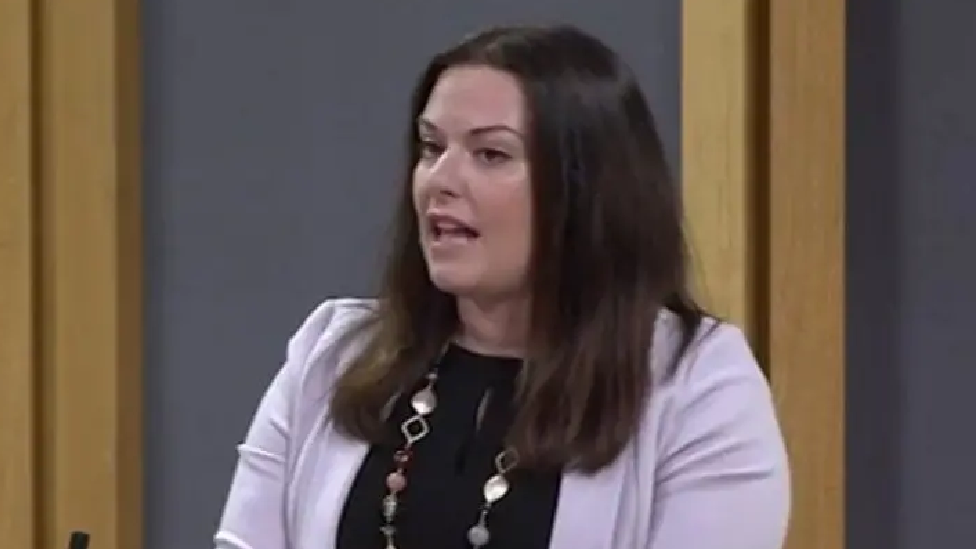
[{"x": 414, "y": 429}]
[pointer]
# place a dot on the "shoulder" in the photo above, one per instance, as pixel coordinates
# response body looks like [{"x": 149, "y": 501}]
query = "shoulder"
[
  {"x": 717, "y": 349},
  {"x": 716, "y": 387},
  {"x": 716, "y": 441},
  {"x": 329, "y": 322},
  {"x": 716, "y": 402},
  {"x": 327, "y": 340}
]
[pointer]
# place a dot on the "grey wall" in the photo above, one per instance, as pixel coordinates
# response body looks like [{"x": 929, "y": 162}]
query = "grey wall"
[
  {"x": 911, "y": 274},
  {"x": 272, "y": 139}
]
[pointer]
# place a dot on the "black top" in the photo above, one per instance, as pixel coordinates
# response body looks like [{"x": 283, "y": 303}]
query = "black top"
[{"x": 449, "y": 468}]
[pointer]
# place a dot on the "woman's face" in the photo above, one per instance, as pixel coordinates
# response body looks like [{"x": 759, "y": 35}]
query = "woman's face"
[{"x": 471, "y": 186}]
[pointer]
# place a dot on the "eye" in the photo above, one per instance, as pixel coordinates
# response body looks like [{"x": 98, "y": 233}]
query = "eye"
[
  {"x": 429, "y": 148},
  {"x": 492, "y": 156}
]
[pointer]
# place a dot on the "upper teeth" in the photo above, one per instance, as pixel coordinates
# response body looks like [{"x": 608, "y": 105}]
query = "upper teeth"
[{"x": 450, "y": 226}]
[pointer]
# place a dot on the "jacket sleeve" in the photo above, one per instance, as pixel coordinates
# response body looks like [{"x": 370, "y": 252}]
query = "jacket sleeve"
[
  {"x": 254, "y": 511},
  {"x": 722, "y": 481}
]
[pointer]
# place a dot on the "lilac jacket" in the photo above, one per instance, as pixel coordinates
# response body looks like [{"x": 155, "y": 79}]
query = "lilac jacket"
[{"x": 707, "y": 469}]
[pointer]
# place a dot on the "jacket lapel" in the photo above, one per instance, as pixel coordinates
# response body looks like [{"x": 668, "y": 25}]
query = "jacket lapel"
[
  {"x": 588, "y": 508},
  {"x": 345, "y": 457}
]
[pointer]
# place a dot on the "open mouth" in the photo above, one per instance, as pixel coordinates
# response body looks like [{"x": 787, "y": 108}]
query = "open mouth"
[{"x": 444, "y": 228}]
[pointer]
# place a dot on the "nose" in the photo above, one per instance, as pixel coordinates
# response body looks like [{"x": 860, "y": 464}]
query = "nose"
[{"x": 444, "y": 175}]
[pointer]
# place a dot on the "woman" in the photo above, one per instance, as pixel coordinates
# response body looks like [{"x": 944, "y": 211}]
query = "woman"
[{"x": 534, "y": 373}]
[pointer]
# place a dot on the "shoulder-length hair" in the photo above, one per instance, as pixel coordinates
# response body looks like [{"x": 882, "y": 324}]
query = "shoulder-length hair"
[{"x": 608, "y": 255}]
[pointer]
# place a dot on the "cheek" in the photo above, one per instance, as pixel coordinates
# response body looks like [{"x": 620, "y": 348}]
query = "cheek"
[
  {"x": 514, "y": 253},
  {"x": 520, "y": 226},
  {"x": 417, "y": 187},
  {"x": 525, "y": 235},
  {"x": 513, "y": 223}
]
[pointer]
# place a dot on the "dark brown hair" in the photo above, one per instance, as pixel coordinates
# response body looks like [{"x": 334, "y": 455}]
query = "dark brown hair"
[{"x": 608, "y": 254}]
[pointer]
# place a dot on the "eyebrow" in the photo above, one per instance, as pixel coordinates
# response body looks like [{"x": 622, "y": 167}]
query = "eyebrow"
[{"x": 480, "y": 130}]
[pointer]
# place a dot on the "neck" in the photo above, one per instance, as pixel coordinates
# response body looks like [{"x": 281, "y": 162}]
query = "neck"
[{"x": 493, "y": 328}]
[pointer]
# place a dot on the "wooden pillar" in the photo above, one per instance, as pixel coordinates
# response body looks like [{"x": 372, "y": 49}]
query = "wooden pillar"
[
  {"x": 719, "y": 144},
  {"x": 763, "y": 176},
  {"x": 70, "y": 273},
  {"x": 18, "y": 404},
  {"x": 806, "y": 259}
]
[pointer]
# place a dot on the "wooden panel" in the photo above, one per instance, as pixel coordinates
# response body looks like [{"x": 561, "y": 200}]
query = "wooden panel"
[
  {"x": 806, "y": 292},
  {"x": 763, "y": 127},
  {"x": 90, "y": 234},
  {"x": 718, "y": 154},
  {"x": 17, "y": 390}
]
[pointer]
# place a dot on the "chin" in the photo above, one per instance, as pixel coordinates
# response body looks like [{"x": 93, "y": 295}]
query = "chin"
[
  {"x": 451, "y": 283},
  {"x": 452, "y": 278}
]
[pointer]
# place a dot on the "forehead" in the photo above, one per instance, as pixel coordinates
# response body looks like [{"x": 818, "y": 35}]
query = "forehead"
[{"x": 466, "y": 97}]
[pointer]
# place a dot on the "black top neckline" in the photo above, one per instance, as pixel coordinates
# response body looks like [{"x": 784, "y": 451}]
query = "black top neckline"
[{"x": 490, "y": 369}]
